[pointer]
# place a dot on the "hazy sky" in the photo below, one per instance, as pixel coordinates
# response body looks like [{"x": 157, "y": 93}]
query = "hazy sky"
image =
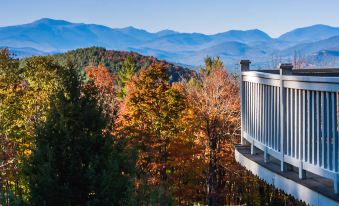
[{"x": 205, "y": 16}]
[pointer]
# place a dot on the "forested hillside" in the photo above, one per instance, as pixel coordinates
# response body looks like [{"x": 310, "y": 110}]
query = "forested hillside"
[
  {"x": 99, "y": 127},
  {"x": 115, "y": 60}
]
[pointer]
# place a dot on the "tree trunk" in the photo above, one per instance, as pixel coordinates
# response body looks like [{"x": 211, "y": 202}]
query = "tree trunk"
[{"x": 212, "y": 177}]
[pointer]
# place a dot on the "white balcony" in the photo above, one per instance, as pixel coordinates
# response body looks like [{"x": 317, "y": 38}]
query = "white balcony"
[{"x": 292, "y": 116}]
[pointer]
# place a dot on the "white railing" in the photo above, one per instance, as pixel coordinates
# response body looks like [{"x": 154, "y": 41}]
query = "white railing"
[{"x": 293, "y": 118}]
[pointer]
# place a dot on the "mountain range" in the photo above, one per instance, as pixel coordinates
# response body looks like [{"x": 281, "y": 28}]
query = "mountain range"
[{"x": 318, "y": 44}]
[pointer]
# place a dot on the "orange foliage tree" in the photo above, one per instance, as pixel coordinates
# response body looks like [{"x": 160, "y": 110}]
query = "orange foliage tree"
[
  {"x": 150, "y": 115},
  {"x": 104, "y": 83},
  {"x": 214, "y": 98}
]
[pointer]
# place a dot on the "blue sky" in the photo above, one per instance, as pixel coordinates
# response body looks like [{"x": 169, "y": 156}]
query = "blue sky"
[{"x": 205, "y": 16}]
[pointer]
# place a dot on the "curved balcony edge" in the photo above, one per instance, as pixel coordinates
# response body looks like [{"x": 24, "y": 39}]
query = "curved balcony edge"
[{"x": 311, "y": 192}]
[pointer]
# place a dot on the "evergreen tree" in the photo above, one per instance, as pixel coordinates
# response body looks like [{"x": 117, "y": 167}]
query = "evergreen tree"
[
  {"x": 125, "y": 74},
  {"x": 74, "y": 163}
]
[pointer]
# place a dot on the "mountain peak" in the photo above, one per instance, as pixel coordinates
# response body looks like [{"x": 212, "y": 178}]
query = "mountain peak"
[
  {"x": 318, "y": 26},
  {"x": 132, "y": 29},
  {"x": 310, "y": 34},
  {"x": 244, "y": 35},
  {"x": 51, "y": 21},
  {"x": 165, "y": 32},
  {"x": 129, "y": 28}
]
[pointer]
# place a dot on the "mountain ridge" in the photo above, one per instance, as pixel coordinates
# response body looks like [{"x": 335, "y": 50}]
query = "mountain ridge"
[{"x": 54, "y": 36}]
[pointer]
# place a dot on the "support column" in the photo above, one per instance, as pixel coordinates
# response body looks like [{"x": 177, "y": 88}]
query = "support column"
[
  {"x": 244, "y": 66},
  {"x": 266, "y": 155},
  {"x": 336, "y": 184},
  {"x": 252, "y": 148},
  {"x": 285, "y": 69},
  {"x": 302, "y": 172}
]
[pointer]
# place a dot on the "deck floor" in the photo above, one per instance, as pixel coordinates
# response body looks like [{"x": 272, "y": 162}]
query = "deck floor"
[{"x": 319, "y": 184}]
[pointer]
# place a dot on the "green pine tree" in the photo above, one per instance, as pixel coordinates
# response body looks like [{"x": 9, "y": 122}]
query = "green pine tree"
[
  {"x": 126, "y": 72},
  {"x": 74, "y": 163}
]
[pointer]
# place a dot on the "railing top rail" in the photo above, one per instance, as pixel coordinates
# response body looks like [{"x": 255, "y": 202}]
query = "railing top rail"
[
  {"x": 309, "y": 72},
  {"x": 293, "y": 77}
]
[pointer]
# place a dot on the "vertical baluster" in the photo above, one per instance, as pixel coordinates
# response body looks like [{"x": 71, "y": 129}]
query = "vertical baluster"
[
  {"x": 301, "y": 132},
  {"x": 333, "y": 150},
  {"x": 252, "y": 119},
  {"x": 293, "y": 114},
  {"x": 318, "y": 129},
  {"x": 291, "y": 117},
  {"x": 303, "y": 136},
  {"x": 309, "y": 126},
  {"x": 296, "y": 123},
  {"x": 323, "y": 129},
  {"x": 253, "y": 112},
  {"x": 276, "y": 148},
  {"x": 299, "y": 136},
  {"x": 258, "y": 114},
  {"x": 328, "y": 130},
  {"x": 274, "y": 142},
  {"x": 251, "y": 108},
  {"x": 304, "y": 121},
  {"x": 265, "y": 122},
  {"x": 261, "y": 114},
  {"x": 243, "y": 109},
  {"x": 256, "y": 111},
  {"x": 287, "y": 121},
  {"x": 252, "y": 105},
  {"x": 313, "y": 113},
  {"x": 334, "y": 133},
  {"x": 278, "y": 120},
  {"x": 249, "y": 121},
  {"x": 269, "y": 115},
  {"x": 245, "y": 104},
  {"x": 274, "y": 118},
  {"x": 337, "y": 129},
  {"x": 265, "y": 114},
  {"x": 277, "y": 139},
  {"x": 292, "y": 122}
]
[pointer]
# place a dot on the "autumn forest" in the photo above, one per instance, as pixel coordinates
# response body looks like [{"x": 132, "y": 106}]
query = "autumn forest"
[{"x": 100, "y": 127}]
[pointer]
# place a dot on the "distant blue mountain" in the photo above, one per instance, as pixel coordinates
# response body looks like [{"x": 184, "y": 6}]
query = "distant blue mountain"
[
  {"x": 165, "y": 32},
  {"x": 331, "y": 43},
  {"x": 25, "y": 52},
  {"x": 248, "y": 36},
  {"x": 57, "y": 35},
  {"x": 310, "y": 34},
  {"x": 47, "y": 36}
]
